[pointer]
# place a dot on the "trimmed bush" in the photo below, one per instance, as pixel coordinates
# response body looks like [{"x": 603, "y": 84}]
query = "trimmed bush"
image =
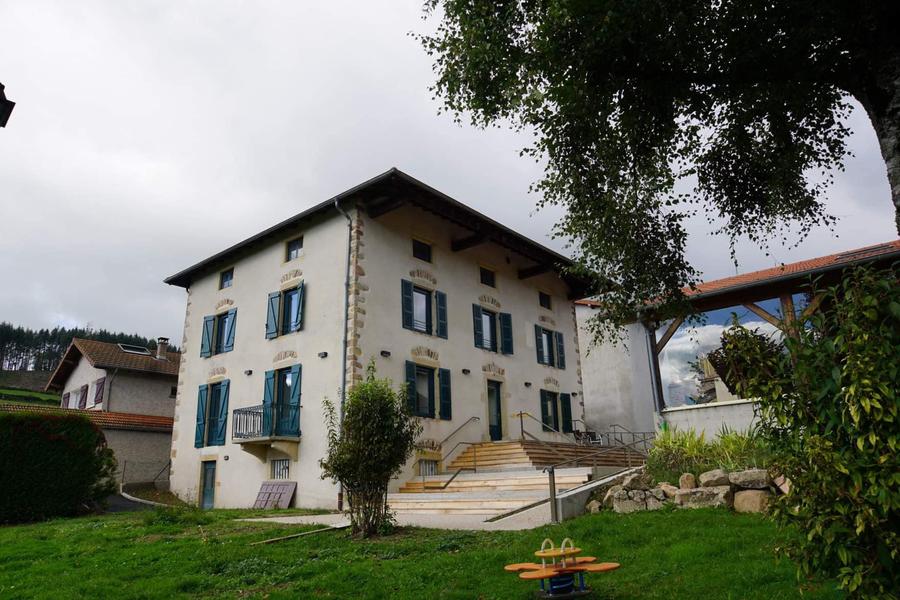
[{"x": 52, "y": 465}]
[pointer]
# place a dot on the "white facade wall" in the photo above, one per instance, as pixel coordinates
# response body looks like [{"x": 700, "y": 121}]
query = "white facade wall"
[
  {"x": 384, "y": 258},
  {"x": 240, "y": 472},
  {"x": 388, "y": 259},
  {"x": 709, "y": 419},
  {"x": 618, "y": 382},
  {"x": 84, "y": 374}
]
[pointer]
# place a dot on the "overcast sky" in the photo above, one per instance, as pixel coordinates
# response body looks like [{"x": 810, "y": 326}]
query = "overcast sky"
[{"x": 149, "y": 135}]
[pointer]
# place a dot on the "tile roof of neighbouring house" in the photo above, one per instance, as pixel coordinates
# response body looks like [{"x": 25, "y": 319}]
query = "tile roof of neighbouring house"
[
  {"x": 107, "y": 355},
  {"x": 795, "y": 270},
  {"x": 102, "y": 419}
]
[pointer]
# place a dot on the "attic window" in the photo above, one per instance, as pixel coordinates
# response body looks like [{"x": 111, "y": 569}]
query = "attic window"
[{"x": 135, "y": 349}]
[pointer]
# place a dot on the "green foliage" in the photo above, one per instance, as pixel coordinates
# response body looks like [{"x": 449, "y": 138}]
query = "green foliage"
[
  {"x": 830, "y": 407},
  {"x": 677, "y": 451},
  {"x": 53, "y": 465},
  {"x": 175, "y": 515},
  {"x": 704, "y": 553},
  {"x": 648, "y": 113},
  {"x": 373, "y": 440}
]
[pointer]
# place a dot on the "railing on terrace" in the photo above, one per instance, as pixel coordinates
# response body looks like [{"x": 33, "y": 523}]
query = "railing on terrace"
[{"x": 262, "y": 421}]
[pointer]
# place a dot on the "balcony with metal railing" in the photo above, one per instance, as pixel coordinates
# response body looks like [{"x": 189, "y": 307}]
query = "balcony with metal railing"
[{"x": 275, "y": 425}]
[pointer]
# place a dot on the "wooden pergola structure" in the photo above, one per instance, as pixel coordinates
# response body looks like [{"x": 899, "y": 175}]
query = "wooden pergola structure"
[{"x": 750, "y": 289}]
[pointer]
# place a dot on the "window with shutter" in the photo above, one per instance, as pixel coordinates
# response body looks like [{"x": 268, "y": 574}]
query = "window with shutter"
[
  {"x": 444, "y": 384},
  {"x": 99, "y": 385},
  {"x": 268, "y": 418},
  {"x": 406, "y": 303},
  {"x": 441, "y": 302},
  {"x": 565, "y": 406},
  {"x": 506, "y": 333},
  {"x": 272, "y": 311},
  {"x": 82, "y": 396},
  {"x": 420, "y": 383},
  {"x": 284, "y": 311},
  {"x": 477, "y": 325},
  {"x": 560, "y": 351},
  {"x": 206, "y": 340},
  {"x": 200, "y": 429},
  {"x": 549, "y": 411},
  {"x": 65, "y": 400}
]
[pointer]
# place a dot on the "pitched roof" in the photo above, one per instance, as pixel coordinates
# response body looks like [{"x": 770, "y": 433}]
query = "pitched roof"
[
  {"x": 800, "y": 270},
  {"x": 386, "y": 192},
  {"x": 102, "y": 419},
  {"x": 107, "y": 355}
]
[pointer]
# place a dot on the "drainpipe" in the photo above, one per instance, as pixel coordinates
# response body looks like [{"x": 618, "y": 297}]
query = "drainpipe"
[
  {"x": 108, "y": 401},
  {"x": 345, "y": 344}
]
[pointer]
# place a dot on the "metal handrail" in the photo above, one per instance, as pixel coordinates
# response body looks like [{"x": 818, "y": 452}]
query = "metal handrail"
[
  {"x": 551, "y": 473},
  {"x": 457, "y": 430},
  {"x": 525, "y": 413},
  {"x": 473, "y": 468},
  {"x": 544, "y": 444}
]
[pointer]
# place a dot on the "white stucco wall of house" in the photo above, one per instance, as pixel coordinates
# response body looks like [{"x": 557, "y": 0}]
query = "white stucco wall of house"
[
  {"x": 388, "y": 259},
  {"x": 84, "y": 374},
  {"x": 238, "y": 471},
  {"x": 709, "y": 419},
  {"x": 618, "y": 383}
]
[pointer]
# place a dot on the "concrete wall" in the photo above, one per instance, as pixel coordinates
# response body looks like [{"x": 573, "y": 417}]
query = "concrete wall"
[
  {"x": 84, "y": 374},
  {"x": 139, "y": 393},
  {"x": 618, "y": 384},
  {"x": 140, "y": 454},
  {"x": 388, "y": 259},
  {"x": 238, "y": 471},
  {"x": 709, "y": 418}
]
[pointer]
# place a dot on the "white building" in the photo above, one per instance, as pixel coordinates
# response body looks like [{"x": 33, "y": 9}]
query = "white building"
[{"x": 476, "y": 319}]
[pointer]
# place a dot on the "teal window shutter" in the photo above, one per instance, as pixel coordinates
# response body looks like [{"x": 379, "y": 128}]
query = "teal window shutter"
[
  {"x": 477, "y": 326},
  {"x": 538, "y": 343},
  {"x": 206, "y": 341},
  {"x": 294, "y": 401},
  {"x": 560, "y": 351},
  {"x": 444, "y": 385},
  {"x": 222, "y": 422},
  {"x": 200, "y": 431},
  {"x": 231, "y": 320},
  {"x": 411, "y": 385},
  {"x": 274, "y": 306},
  {"x": 406, "y": 301},
  {"x": 506, "y": 333},
  {"x": 431, "y": 395},
  {"x": 545, "y": 410},
  {"x": 268, "y": 418},
  {"x": 441, "y": 301},
  {"x": 297, "y": 325},
  {"x": 565, "y": 406}
]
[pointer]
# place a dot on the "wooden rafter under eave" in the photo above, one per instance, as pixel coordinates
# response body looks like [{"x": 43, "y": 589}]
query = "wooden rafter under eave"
[{"x": 670, "y": 331}]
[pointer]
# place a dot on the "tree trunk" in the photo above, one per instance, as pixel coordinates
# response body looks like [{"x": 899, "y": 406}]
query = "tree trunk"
[{"x": 881, "y": 101}]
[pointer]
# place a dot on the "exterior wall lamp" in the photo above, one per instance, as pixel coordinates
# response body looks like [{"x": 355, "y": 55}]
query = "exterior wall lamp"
[
  {"x": 323, "y": 355},
  {"x": 466, "y": 371},
  {"x": 527, "y": 384},
  {"x": 386, "y": 353}
]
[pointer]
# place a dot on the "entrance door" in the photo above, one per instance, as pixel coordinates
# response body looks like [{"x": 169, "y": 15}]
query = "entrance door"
[
  {"x": 208, "y": 494},
  {"x": 495, "y": 420}
]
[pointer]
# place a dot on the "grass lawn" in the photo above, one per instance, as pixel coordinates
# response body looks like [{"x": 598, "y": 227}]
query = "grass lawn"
[
  {"x": 17, "y": 396},
  {"x": 708, "y": 554}
]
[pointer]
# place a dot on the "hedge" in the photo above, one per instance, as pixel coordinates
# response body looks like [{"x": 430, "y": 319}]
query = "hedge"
[{"x": 51, "y": 465}]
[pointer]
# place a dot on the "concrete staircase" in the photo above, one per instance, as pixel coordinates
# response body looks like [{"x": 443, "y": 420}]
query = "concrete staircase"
[{"x": 494, "y": 478}]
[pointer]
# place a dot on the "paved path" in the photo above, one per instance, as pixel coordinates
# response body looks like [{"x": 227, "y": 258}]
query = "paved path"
[
  {"x": 118, "y": 503},
  {"x": 529, "y": 519}
]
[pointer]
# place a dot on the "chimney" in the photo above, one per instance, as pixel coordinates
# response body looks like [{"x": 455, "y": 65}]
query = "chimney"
[{"x": 162, "y": 344}]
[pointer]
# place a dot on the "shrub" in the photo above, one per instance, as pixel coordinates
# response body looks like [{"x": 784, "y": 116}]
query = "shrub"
[
  {"x": 829, "y": 406},
  {"x": 677, "y": 451},
  {"x": 374, "y": 438},
  {"x": 53, "y": 465}
]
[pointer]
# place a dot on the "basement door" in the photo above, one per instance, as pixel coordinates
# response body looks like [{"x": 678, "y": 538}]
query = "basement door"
[
  {"x": 208, "y": 485},
  {"x": 495, "y": 418}
]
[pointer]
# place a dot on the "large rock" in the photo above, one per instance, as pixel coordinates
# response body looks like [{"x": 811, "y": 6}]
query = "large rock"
[
  {"x": 713, "y": 478},
  {"x": 639, "y": 495},
  {"x": 637, "y": 481},
  {"x": 654, "y": 503},
  {"x": 782, "y": 483},
  {"x": 757, "y": 479},
  {"x": 608, "y": 498},
  {"x": 594, "y": 506},
  {"x": 657, "y": 493},
  {"x": 687, "y": 481},
  {"x": 668, "y": 489},
  {"x": 623, "y": 504},
  {"x": 752, "y": 501},
  {"x": 707, "y": 497}
]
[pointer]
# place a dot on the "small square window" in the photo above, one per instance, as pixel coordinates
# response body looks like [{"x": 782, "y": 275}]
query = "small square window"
[
  {"x": 173, "y": 391},
  {"x": 544, "y": 300},
  {"x": 294, "y": 248},
  {"x": 281, "y": 468},
  {"x": 488, "y": 277},
  {"x": 225, "y": 278},
  {"x": 421, "y": 250}
]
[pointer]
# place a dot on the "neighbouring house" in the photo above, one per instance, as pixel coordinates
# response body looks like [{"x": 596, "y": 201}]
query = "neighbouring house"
[
  {"x": 477, "y": 320},
  {"x": 661, "y": 373},
  {"x": 134, "y": 388}
]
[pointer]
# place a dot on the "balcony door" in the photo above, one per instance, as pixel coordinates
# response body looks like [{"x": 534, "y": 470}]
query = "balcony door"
[
  {"x": 495, "y": 416},
  {"x": 285, "y": 417}
]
